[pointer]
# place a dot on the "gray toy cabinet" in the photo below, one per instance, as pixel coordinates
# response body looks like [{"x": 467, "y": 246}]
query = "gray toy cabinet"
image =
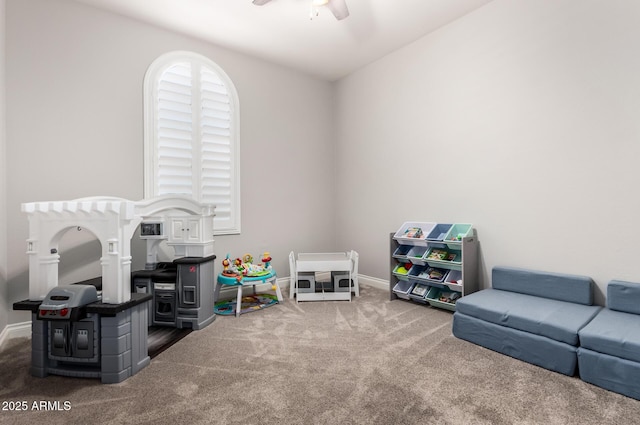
[{"x": 433, "y": 263}]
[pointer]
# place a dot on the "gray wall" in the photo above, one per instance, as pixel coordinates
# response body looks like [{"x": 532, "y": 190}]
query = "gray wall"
[
  {"x": 74, "y": 113},
  {"x": 522, "y": 118},
  {"x": 4, "y": 305}
]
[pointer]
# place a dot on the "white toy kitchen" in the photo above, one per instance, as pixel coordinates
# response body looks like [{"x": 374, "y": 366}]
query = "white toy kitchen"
[{"x": 98, "y": 328}]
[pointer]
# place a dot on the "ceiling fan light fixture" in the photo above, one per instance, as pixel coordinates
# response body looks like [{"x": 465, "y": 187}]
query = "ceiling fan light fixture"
[{"x": 337, "y": 7}]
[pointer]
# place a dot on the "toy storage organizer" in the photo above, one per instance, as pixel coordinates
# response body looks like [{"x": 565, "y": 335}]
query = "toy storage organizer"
[{"x": 433, "y": 263}]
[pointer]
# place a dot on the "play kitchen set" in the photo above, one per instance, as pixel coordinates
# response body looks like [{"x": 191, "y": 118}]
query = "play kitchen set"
[
  {"x": 182, "y": 292},
  {"x": 98, "y": 328}
]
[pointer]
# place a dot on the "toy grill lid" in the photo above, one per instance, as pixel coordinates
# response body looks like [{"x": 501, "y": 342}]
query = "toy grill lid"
[
  {"x": 66, "y": 302},
  {"x": 70, "y": 296}
]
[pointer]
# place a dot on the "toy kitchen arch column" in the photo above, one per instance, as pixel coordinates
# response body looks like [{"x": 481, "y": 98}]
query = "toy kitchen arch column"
[
  {"x": 120, "y": 318},
  {"x": 112, "y": 221}
]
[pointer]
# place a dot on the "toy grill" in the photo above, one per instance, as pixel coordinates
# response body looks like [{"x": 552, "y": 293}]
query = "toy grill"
[
  {"x": 73, "y": 335},
  {"x": 67, "y": 302}
]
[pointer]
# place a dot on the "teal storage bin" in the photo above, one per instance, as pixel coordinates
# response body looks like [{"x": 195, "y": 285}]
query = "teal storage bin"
[
  {"x": 458, "y": 231},
  {"x": 434, "y": 295},
  {"x": 400, "y": 273},
  {"x": 444, "y": 257}
]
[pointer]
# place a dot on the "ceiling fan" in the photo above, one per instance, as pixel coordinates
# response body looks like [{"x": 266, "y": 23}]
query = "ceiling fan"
[{"x": 337, "y": 7}]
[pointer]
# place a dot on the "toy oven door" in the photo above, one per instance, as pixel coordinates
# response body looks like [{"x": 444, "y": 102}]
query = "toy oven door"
[{"x": 164, "y": 307}]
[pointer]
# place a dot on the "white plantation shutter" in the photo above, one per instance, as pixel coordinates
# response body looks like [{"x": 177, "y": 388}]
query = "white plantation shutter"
[
  {"x": 191, "y": 135},
  {"x": 216, "y": 144},
  {"x": 174, "y": 131}
]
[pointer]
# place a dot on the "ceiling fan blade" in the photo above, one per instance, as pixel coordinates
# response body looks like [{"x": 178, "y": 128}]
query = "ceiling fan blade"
[
  {"x": 338, "y": 8},
  {"x": 260, "y": 2}
]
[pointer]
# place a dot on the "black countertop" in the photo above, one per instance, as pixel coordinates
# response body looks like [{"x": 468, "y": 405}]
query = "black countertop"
[
  {"x": 194, "y": 260},
  {"x": 104, "y": 309},
  {"x": 97, "y": 307}
]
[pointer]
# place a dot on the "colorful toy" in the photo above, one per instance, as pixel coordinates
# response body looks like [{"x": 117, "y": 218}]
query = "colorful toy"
[
  {"x": 248, "y": 304},
  {"x": 402, "y": 270},
  {"x": 266, "y": 259},
  {"x": 243, "y": 273},
  {"x": 244, "y": 267},
  {"x": 225, "y": 264}
]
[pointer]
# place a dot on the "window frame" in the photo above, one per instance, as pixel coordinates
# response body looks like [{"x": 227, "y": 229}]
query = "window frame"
[{"x": 150, "y": 101}]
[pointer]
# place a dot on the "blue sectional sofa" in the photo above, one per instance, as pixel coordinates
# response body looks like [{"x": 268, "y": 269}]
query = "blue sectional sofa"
[
  {"x": 609, "y": 353},
  {"x": 530, "y": 315}
]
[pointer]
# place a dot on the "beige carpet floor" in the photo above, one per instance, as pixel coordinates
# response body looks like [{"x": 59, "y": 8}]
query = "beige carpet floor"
[{"x": 371, "y": 361}]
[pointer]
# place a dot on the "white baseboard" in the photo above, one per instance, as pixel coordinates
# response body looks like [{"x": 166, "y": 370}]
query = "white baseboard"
[
  {"x": 373, "y": 282},
  {"x": 15, "y": 330}
]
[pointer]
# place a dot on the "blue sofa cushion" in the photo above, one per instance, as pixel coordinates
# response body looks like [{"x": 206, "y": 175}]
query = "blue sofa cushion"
[
  {"x": 623, "y": 296},
  {"x": 563, "y": 287},
  {"x": 612, "y": 373},
  {"x": 554, "y": 319},
  {"x": 613, "y": 332},
  {"x": 535, "y": 349}
]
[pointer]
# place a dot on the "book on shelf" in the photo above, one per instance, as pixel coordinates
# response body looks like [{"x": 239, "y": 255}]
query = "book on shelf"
[
  {"x": 437, "y": 254},
  {"x": 433, "y": 273},
  {"x": 413, "y": 232},
  {"x": 419, "y": 290},
  {"x": 449, "y": 296},
  {"x": 451, "y": 256}
]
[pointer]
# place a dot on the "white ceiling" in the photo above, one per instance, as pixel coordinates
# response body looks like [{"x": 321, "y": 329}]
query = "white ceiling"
[{"x": 282, "y": 32}]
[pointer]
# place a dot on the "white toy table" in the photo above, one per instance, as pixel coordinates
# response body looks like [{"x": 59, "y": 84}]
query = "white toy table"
[{"x": 323, "y": 262}]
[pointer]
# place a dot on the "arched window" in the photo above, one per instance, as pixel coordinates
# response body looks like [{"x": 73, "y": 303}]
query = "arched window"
[{"x": 191, "y": 139}]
